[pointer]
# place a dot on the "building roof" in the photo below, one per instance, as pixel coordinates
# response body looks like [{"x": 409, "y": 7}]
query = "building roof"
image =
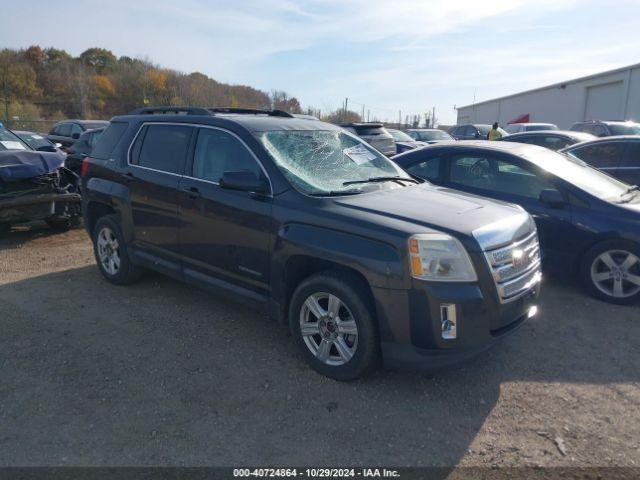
[{"x": 555, "y": 85}]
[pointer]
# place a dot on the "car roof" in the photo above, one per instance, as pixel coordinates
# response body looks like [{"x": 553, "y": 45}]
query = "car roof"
[
  {"x": 612, "y": 138},
  {"x": 24, "y": 132},
  {"x": 425, "y": 130},
  {"x": 562, "y": 133},
  {"x": 252, "y": 122},
  {"x": 524, "y": 150},
  {"x": 530, "y": 123},
  {"x": 83, "y": 121}
]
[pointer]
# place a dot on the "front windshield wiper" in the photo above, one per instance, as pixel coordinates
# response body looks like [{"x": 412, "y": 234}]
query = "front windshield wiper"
[
  {"x": 381, "y": 179},
  {"x": 336, "y": 193}
]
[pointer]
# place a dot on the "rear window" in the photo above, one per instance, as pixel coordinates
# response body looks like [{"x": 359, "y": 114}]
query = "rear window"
[
  {"x": 366, "y": 131},
  {"x": 92, "y": 125},
  {"x": 107, "y": 142}
]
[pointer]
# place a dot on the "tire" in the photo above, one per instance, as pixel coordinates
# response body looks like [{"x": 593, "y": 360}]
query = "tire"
[
  {"x": 111, "y": 252},
  {"x": 333, "y": 351},
  {"x": 59, "y": 224},
  {"x": 610, "y": 271}
]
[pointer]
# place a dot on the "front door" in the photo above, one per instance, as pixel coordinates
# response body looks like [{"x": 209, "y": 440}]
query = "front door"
[{"x": 225, "y": 234}]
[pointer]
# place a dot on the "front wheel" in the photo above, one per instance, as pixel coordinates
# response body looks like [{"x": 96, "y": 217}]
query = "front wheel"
[
  {"x": 611, "y": 272},
  {"x": 332, "y": 326}
]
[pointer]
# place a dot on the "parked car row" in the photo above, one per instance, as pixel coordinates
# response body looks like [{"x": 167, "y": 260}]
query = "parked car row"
[{"x": 35, "y": 185}]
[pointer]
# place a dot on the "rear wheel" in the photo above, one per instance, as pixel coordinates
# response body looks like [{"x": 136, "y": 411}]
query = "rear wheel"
[
  {"x": 111, "y": 252},
  {"x": 332, "y": 326},
  {"x": 611, "y": 272}
]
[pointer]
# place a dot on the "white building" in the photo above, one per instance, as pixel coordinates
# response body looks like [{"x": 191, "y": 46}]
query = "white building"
[{"x": 612, "y": 95}]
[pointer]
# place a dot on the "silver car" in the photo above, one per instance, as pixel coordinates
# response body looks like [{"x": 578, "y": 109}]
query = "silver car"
[{"x": 374, "y": 134}]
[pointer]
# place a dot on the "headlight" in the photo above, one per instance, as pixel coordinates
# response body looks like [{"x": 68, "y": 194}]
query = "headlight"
[{"x": 439, "y": 257}]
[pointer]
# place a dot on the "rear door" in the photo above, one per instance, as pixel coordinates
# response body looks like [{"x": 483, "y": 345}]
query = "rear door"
[
  {"x": 510, "y": 179},
  {"x": 224, "y": 234},
  {"x": 156, "y": 165}
]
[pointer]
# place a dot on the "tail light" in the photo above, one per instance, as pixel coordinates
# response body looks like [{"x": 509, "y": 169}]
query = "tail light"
[{"x": 85, "y": 167}]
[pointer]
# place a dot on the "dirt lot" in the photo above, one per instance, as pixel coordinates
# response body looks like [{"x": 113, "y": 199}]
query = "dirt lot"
[{"x": 160, "y": 373}]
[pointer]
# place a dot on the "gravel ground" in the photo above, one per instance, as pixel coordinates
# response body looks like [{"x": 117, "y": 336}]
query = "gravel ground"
[{"x": 162, "y": 374}]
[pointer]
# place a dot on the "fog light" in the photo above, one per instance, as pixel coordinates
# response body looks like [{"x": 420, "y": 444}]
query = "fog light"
[
  {"x": 532, "y": 312},
  {"x": 448, "y": 321}
]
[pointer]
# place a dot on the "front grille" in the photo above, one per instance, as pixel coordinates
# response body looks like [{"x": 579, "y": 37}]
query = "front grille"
[{"x": 516, "y": 267}]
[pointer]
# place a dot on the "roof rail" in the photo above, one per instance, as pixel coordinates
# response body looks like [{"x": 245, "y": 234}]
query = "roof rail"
[
  {"x": 170, "y": 110},
  {"x": 251, "y": 111},
  {"x": 207, "y": 111}
]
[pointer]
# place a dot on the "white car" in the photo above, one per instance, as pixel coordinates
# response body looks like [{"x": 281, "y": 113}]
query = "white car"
[{"x": 529, "y": 127}]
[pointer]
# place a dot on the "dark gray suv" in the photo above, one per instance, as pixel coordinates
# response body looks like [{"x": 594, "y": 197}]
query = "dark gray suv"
[{"x": 365, "y": 263}]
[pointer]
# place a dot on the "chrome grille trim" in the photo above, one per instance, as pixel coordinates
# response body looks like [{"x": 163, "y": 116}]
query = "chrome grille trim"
[{"x": 513, "y": 279}]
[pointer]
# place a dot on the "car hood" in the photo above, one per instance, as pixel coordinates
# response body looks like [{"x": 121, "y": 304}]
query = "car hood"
[
  {"x": 490, "y": 222},
  {"x": 23, "y": 164}
]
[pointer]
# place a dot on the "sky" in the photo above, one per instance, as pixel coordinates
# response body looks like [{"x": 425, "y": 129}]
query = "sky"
[{"x": 388, "y": 56}]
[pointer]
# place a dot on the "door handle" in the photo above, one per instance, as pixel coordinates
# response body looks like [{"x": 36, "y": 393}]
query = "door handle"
[{"x": 193, "y": 192}]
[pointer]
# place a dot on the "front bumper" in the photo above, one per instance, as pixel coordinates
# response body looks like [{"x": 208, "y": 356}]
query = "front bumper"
[
  {"x": 411, "y": 329},
  {"x": 39, "y": 207}
]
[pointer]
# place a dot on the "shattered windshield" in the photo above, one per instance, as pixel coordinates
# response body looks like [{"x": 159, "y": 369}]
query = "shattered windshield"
[{"x": 326, "y": 162}]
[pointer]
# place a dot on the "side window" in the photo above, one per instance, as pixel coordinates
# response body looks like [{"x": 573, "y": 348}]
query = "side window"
[
  {"x": 496, "y": 176},
  {"x": 470, "y": 131},
  {"x": 632, "y": 156},
  {"x": 601, "y": 155},
  {"x": 64, "y": 130},
  {"x": 428, "y": 168},
  {"x": 555, "y": 143},
  {"x": 164, "y": 148},
  {"x": 76, "y": 129},
  {"x": 599, "y": 131},
  {"x": 217, "y": 152}
]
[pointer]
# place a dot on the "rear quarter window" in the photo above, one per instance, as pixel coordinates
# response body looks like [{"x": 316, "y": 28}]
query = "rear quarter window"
[{"x": 108, "y": 141}]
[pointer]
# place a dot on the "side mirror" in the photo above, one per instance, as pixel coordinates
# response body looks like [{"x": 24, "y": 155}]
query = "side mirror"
[
  {"x": 75, "y": 136},
  {"x": 477, "y": 135},
  {"x": 47, "y": 148},
  {"x": 243, "y": 180},
  {"x": 552, "y": 198}
]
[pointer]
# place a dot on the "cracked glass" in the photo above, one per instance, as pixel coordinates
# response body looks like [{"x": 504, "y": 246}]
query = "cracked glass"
[{"x": 319, "y": 162}]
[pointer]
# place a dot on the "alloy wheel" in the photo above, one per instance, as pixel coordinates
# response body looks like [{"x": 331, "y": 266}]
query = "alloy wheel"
[
  {"x": 616, "y": 273},
  {"x": 108, "y": 251},
  {"x": 328, "y": 329}
]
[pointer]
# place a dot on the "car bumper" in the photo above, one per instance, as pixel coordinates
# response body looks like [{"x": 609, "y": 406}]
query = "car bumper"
[
  {"x": 39, "y": 207},
  {"x": 411, "y": 327}
]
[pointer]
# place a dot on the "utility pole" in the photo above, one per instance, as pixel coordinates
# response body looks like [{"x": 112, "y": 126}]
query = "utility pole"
[
  {"x": 346, "y": 107},
  {"x": 368, "y": 114},
  {"x": 362, "y": 117},
  {"x": 399, "y": 118},
  {"x": 433, "y": 118}
]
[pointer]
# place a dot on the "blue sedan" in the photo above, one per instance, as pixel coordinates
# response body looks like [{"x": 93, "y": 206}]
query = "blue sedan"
[{"x": 588, "y": 222}]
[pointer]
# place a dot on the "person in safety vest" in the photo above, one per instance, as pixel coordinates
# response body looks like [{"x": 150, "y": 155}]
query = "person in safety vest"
[{"x": 494, "y": 133}]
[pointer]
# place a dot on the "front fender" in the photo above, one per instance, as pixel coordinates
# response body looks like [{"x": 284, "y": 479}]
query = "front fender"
[{"x": 379, "y": 263}]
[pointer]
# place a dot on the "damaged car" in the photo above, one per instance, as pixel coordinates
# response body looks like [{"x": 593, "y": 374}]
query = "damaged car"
[{"x": 35, "y": 185}]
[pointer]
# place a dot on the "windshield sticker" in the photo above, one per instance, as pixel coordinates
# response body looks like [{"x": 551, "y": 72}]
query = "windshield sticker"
[
  {"x": 359, "y": 154},
  {"x": 12, "y": 145}
]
